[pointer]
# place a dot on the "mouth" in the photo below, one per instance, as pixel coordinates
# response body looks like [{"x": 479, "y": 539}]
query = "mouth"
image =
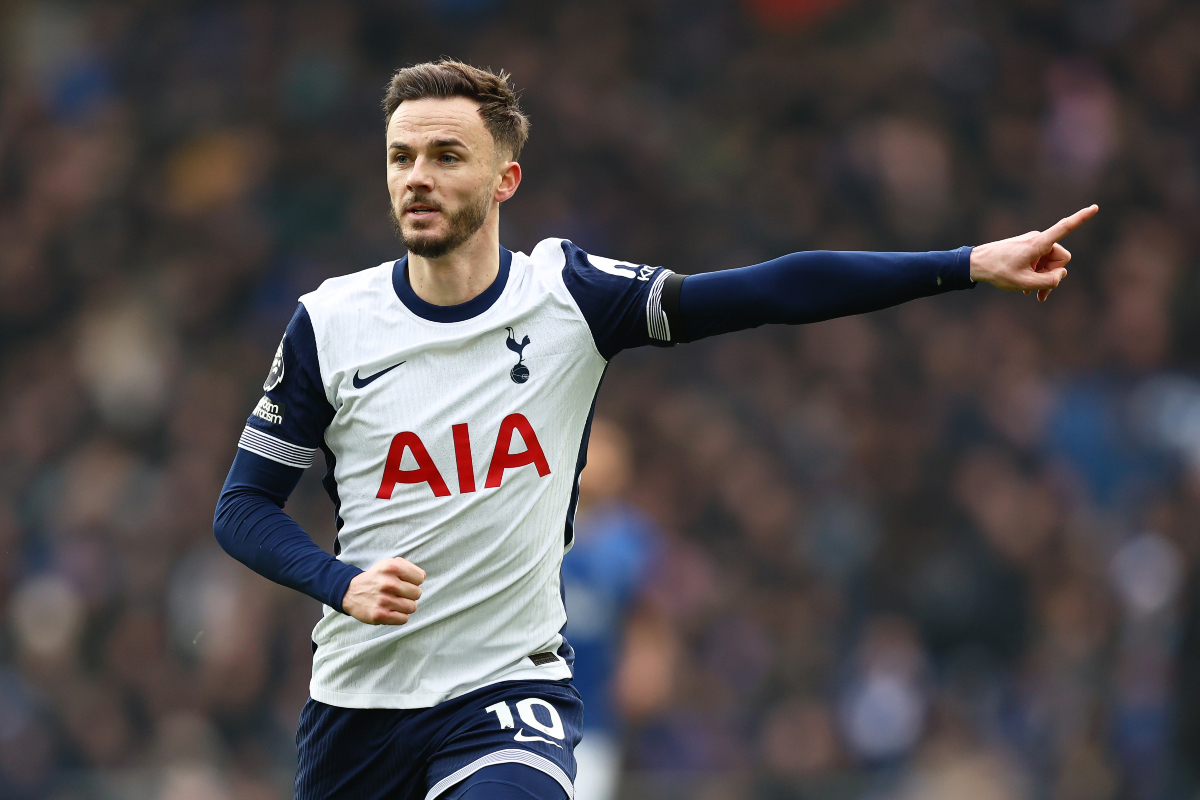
[{"x": 421, "y": 211}]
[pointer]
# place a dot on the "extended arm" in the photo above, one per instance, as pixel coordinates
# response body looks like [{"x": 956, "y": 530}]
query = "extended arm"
[
  {"x": 810, "y": 287},
  {"x": 820, "y": 285}
]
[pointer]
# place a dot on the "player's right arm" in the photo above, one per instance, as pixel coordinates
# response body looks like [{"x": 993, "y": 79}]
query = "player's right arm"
[
  {"x": 280, "y": 440},
  {"x": 386, "y": 593}
]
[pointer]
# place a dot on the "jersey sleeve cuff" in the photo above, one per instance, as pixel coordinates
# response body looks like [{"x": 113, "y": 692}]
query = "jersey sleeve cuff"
[
  {"x": 276, "y": 449},
  {"x": 961, "y": 274},
  {"x": 658, "y": 325},
  {"x": 345, "y": 574}
]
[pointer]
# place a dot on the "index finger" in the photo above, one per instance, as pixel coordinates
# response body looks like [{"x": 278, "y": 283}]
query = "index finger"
[
  {"x": 1064, "y": 226},
  {"x": 404, "y": 570}
]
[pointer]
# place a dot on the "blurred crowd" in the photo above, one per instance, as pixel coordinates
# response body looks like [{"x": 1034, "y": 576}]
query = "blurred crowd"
[{"x": 945, "y": 551}]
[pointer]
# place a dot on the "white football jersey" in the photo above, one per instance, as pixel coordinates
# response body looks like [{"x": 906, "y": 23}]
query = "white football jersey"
[{"x": 454, "y": 437}]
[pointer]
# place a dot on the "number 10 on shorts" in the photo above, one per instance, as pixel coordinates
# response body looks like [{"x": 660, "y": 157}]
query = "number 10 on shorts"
[{"x": 525, "y": 710}]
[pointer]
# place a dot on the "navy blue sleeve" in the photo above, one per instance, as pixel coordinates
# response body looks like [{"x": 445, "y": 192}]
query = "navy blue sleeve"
[
  {"x": 279, "y": 441},
  {"x": 293, "y": 409},
  {"x": 251, "y": 526},
  {"x": 811, "y": 287},
  {"x": 621, "y": 302}
]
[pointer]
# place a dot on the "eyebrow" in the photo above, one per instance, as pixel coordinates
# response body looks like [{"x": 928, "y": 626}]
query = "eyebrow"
[{"x": 438, "y": 143}]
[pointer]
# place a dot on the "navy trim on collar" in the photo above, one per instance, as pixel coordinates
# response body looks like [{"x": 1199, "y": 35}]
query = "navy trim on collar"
[{"x": 463, "y": 311}]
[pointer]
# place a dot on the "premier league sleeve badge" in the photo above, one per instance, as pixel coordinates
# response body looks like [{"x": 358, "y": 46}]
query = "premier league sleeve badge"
[{"x": 276, "y": 374}]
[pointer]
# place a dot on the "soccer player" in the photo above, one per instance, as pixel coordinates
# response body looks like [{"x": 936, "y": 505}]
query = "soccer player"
[{"x": 451, "y": 393}]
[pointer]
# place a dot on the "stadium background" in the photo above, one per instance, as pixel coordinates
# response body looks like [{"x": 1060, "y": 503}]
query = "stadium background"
[{"x": 947, "y": 551}]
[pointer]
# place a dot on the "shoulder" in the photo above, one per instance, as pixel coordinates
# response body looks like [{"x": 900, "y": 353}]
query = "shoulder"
[
  {"x": 577, "y": 266},
  {"x": 348, "y": 293},
  {"x": 598, "y": 270},
  {"x": 549, "y": 254}
]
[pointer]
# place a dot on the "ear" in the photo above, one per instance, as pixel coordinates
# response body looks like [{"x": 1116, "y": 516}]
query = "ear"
[{"x": 510, "y": 179}]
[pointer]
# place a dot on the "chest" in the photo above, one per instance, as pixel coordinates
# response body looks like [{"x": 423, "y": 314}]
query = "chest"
[{"x": 456, "y": 391}]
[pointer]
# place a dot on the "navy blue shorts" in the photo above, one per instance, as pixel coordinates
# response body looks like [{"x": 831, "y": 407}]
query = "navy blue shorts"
[{"x": 420, "y": 753}]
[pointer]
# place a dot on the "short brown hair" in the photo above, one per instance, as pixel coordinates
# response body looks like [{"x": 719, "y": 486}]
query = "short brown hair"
[{"x": 498, "y": 105}]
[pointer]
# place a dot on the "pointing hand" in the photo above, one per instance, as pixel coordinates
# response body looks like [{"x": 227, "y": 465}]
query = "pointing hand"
[
  {"x": 386, "y": 594},
  {"x": 1032, "y": 262}
]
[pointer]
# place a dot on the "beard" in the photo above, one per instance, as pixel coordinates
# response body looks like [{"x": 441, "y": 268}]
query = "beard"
[{"x": 460, "y": 226}]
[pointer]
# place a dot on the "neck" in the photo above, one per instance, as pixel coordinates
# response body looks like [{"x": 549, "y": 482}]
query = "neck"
[{"x": 463, "y": 273}]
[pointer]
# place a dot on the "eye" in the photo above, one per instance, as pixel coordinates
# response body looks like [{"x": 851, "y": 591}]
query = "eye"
[
  {"x": 448, "y": 158},
  {"x": 400, "y": 159}
]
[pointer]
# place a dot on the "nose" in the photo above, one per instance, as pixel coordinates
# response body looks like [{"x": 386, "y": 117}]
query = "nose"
[{"x": 420, "y": 177}]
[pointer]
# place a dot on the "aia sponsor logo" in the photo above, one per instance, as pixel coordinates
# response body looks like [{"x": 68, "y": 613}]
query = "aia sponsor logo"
[{"x": 427, "y": 470}]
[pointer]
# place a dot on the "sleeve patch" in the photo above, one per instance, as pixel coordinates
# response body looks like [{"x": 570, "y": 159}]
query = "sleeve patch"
[
  {"x": 269, "y": 410},
  {"x": 275, "y": 376},
  {"x": 268, "y": 446}
]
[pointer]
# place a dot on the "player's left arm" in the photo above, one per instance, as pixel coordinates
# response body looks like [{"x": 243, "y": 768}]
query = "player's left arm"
[
  {"x": 632, "y": 306},
  {"x": 819, "y": 285},
  {"x": 1032, "y": 262}
]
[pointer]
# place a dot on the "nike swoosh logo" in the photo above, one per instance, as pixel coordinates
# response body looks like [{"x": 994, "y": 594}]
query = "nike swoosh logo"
[
  {"x": 361, "y": 382},
  {"x": 521, "y": 737}
]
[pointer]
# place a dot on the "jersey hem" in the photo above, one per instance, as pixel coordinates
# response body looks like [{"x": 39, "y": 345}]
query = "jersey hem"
[
  {"x": 511, "y": 756},
  {"x": 558, "y": 671}
]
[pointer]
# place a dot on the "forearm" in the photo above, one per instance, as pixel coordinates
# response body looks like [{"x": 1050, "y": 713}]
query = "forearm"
[
  {"x": 814, "y": 286},
  {"x": 252, "y": 527}
]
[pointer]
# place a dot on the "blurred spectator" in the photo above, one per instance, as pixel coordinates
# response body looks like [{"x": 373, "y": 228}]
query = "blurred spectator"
[
  {"x": 606, "y": 569},
  {"x": 885, "y": 703}
]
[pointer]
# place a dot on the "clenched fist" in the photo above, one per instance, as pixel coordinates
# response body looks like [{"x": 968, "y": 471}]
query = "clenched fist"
[
  {"x": 386, "y": 594},
  {"x": 1032, "y": 262}
]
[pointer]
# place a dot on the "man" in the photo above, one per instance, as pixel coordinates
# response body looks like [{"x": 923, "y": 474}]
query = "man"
[
  {"x": 451, "y": 392},
  {"x": 613, "y": 558}
]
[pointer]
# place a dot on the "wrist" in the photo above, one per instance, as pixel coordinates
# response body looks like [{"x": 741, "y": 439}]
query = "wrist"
[
  {"x": 978, "y": 255},
  {"x": 341, "y": 594}
]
